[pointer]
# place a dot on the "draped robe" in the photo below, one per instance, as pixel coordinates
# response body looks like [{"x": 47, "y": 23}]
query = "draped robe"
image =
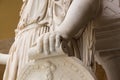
[{"x": 39, "y": 17}]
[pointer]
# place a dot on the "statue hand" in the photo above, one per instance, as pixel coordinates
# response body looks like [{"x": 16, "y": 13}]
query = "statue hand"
[{"x": 46, "y": 44}]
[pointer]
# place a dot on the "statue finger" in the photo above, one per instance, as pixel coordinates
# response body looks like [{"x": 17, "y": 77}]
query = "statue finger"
[
  {"x": 52, "y": 42},
  {"x": 58, "y": 40},
  {"x": 46, "y": 44},
  {"x": 40, "y": 44}
]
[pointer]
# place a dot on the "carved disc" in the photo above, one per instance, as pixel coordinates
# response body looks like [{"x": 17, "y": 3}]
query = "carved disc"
[{"x": 56, "y": 68}]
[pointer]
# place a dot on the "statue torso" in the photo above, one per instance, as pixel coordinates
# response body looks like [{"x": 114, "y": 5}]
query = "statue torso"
[{"x": 43, "y": 12}]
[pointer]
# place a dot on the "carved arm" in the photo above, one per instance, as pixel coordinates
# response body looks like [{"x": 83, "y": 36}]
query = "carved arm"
[
  {"x": 78, "y": 15},
  {"x": 3, "y": 58}
]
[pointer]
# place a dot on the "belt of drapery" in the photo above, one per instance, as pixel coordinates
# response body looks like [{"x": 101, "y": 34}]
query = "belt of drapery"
[{"x": 29, "y": 27}]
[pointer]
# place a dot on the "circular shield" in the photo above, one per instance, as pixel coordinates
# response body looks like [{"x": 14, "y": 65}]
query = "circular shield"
[{"x": 56, "y": 68}]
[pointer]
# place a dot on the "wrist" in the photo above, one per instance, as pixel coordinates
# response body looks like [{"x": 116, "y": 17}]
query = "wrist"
[{"x": 63, "y": 34}]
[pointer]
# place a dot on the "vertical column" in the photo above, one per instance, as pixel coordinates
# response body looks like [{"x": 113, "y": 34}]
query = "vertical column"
[{"x": 110, "y": 61}]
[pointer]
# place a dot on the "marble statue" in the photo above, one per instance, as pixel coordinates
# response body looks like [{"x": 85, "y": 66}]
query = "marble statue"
[{"x": 43, "y": 25}]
